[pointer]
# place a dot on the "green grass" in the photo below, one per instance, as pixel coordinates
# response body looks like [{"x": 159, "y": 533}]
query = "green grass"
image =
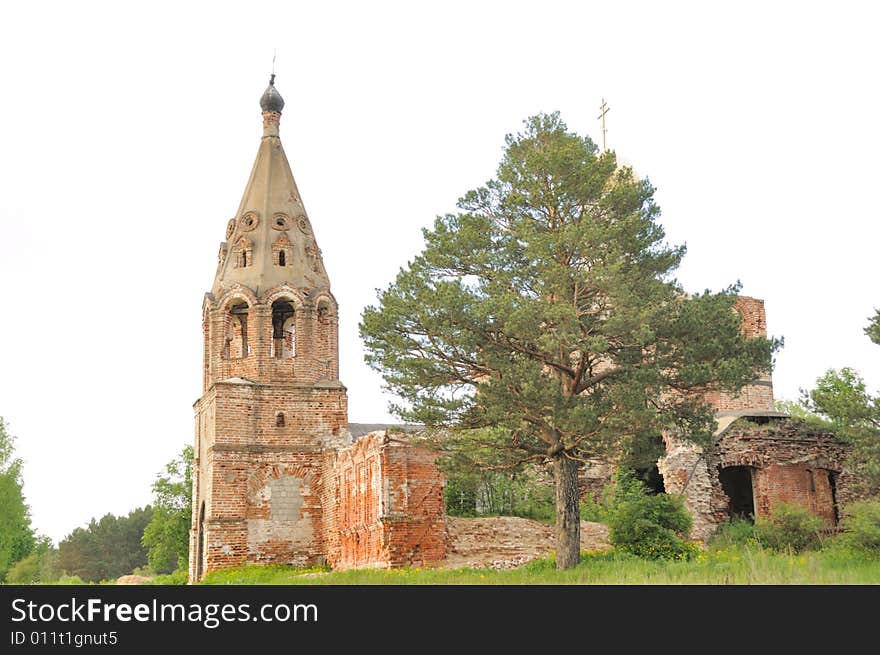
[{"x": 735, "y": 565}]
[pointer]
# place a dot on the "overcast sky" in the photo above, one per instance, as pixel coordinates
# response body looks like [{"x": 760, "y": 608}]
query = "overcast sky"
[{"x": 128, "y": 132}]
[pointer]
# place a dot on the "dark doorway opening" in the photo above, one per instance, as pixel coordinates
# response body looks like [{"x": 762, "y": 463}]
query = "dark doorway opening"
[
  {"x": 736, "y": 481},
  {"x": 652, "y": 478},
  {"x": 832, "y": 481}
]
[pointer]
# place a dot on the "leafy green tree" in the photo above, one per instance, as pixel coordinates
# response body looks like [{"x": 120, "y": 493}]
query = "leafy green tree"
[
  {"x": 873, "y": 329},
  {"x": 166, "y": 537},
  {"x": 16, "y": 535},
  {"x": 544, "y": 317},
  {"x": 800, "y": 411},
  {"x": 107, "y": 548}
]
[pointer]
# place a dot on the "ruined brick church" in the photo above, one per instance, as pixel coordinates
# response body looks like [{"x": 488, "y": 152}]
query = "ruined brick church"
[
  {"x": 276, "y": 478},
  {"x": 280, "y": 476}
]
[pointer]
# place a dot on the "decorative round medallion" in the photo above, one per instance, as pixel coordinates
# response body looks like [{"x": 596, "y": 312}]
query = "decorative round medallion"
[
  {"x": 230, "y": 228},
  {"x": 249, "y": 221},
  {"x": 280, "y": 222},
  {"x": 302, "y": 224}
]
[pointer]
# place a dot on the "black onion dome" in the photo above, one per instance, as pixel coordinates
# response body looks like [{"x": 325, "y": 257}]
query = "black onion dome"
[{"x": 271, "y": 100}]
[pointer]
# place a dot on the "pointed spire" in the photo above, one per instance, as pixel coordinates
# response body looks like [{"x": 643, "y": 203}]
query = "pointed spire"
[{"x": 270, "y": 239}]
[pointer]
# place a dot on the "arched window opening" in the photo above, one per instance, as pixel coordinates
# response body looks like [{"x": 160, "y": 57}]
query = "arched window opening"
[
  {"x": 279, "y": 420},
  {"x": 236, "y": 335},
  {"x": 243, "y": 252},
  {"x": 281, "y": 251},
  {"x": 283, "y": 330}
]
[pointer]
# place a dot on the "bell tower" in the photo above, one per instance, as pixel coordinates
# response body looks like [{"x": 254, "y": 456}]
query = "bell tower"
[{"x": 272, "y": 401}]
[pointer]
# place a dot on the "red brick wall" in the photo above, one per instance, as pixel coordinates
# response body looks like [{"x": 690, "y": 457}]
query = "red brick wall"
[
  {"x": 754, "y": 319},
  {"x": 416, "y": 514},
  {"x": 759, "y": 395},
  {"x": 383, "y": 505},
  {"x": 262, "y": 482},
  {"x": 793, "y": 483},
  {"x": 783, "y": 455}
]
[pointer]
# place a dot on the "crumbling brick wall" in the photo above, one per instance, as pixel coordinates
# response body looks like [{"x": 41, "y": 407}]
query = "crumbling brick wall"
[
  {"x": 786, "y": 455},
  {"x": 384, "y": 505},
  {"x": 257, "y": 487},
  {"x": 759, "y": 394},
  {"x": 789, "y": 460}
]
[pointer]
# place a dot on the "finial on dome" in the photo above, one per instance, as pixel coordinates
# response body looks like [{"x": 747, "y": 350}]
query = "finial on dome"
[{"x": 271, "y": 100}]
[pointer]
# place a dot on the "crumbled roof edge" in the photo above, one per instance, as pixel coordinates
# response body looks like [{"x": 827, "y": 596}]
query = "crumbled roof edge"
[
  {"x": 358, "y": 430},
  {"x": 784, "y": 427}
]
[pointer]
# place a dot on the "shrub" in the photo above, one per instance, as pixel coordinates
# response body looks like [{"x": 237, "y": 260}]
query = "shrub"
[
  {"x": 624, "y": 486},
  {"x": 592, "y": 510},
  {"x": 861, "y": 526},
  {"x": 25, "y": 571},
  {"x": 736, "y": 532},
  {"x": 654, "y": 527},
  {"x": 38, "y": 567},
  {"x": 70, "y": 580},
  {"x": 178, "y": 577},
  {"x": 790, "y": 527}
]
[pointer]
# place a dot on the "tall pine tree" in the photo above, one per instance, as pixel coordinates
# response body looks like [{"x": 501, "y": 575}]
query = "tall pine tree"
[{"x": 542, "y": 323}]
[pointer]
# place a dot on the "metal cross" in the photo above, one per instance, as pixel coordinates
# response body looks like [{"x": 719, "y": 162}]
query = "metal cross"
[{"x": 605, "y": 109}]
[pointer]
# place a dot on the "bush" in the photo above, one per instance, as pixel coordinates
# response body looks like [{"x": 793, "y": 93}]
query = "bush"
[
  {"x": 654, "y": 527},
  {"x": 179, "y": 577},
  {"x": 861, "y": 526},
  {"x": 592, "y": 510},
  {"x": 25, "y": 571},
  {"x": 790, "y": 527},
  {"x": 38, "y": 567},
  {"x": 70, "y": 580},
  {"x": 736, "y": 532},
  {"x": 624, "y": 486}
]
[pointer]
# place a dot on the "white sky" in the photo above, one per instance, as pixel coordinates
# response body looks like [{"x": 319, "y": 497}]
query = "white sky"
[{"x": 128, "y": 132}]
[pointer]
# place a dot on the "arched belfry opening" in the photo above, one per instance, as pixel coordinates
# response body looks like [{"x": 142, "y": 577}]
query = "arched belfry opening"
[
  {"x": 283, "y": 330},
  {"x": 236, "y": 345}
]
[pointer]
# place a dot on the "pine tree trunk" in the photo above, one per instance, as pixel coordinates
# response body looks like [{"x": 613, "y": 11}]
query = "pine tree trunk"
[{"x": 568, "y": 520}]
